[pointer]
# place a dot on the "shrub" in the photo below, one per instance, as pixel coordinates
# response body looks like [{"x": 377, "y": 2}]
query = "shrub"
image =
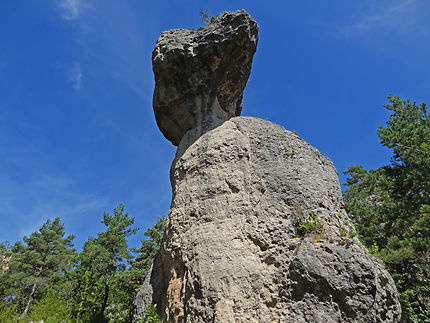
[{"x": 313, "y": 225}]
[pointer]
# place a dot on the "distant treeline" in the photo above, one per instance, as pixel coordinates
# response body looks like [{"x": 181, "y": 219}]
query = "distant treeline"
[{"x": 44, "y": 278}]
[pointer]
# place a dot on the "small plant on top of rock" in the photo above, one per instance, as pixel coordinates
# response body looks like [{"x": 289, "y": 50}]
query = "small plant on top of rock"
[{"x": 204, "y": 15}]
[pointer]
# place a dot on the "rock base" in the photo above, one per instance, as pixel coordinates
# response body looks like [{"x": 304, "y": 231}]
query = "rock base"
[{"x": 257, "y": 232}]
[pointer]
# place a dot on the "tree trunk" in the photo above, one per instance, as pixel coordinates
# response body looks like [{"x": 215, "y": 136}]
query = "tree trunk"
[
  {"x": 106, "y": 296},
  {"x": 30, "y": 299}
]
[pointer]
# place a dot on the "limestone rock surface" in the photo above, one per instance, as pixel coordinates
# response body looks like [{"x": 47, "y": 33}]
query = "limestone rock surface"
[
  {"x": 257, "y": 230},
  {"x": 233, "y": 251},
  {"x": 200, "y": 75}
]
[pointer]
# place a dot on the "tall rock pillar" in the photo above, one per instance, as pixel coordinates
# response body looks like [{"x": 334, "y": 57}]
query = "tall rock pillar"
[{"x": 257, "y": 231}]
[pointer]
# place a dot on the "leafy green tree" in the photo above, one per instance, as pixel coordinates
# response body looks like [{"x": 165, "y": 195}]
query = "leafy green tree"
[
  {"x": 391, "y": 204},
  {"x": 151, "y": 315},
  {"x": 38, "y": 261},
  {"x": 52, "y": 308},
  {"x": 149, "y": 247},
  {"x": 97, "y": 285},
  {"x": 101, "y": 260},
  {"x": 126, "y": 284}
]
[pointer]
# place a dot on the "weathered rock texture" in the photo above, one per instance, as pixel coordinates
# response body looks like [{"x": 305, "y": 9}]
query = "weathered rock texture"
[
  {"x": 232, "y": 253},
  {"x": 200, "y": 75},
  {"x": 257, "y": 231}
]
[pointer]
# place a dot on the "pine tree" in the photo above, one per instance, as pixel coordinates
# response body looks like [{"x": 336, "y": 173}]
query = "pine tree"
[
  {"x": 149, "y": 247},
  {"x": 37, "y": 261},
  {"x": 391, "y": 204},
  {"x": 101, "y": 260}
]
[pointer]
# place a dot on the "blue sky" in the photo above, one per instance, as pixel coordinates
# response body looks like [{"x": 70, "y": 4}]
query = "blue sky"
[{"x": 77, "y": 131}]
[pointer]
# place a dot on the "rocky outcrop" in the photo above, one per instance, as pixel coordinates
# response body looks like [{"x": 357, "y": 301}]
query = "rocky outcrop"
[
  {"x": 200, "y": 75},
  {"x": 235, "y": 249},
  {"x": 257, "y": 231}
]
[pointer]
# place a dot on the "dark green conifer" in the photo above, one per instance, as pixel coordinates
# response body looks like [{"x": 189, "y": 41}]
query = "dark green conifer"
[
  {"x": 391, "y": 204},
  {"x": 38, "y": 261}
]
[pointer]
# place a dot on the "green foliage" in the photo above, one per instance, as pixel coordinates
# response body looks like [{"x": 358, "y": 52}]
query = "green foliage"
[
  {"x": 5, "y": 248},
  {"x": 104, "y": 286},
  {"x": 149, "y": 247},
  {"x": 290, "y": 153},
  {"x": 96, "y": 277},
  {"x": 411, "y": 298},
  {"x": 352, "y": 234},
  {"x": 407, "y": 132},
  {"x": 87, "y": 291},
  {"x": 312, "y": 226},
  {"x": 8, "y": 313},
  {"x": 342, "y": 231},
  {"x": 109, "y": 251},
  {"x": 98, "y": 285},
  {"x": 373, "y": 249},
  {"x": 37, "y": 262},
  {"x": 51, "y": 309},
  {"x": 151, "y": 316},
  {"x": 391, "y": 205},
  {"x": 204, "y": 16}
]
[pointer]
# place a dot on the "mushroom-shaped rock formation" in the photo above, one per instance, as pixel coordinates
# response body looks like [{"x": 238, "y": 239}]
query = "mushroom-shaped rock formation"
[
  {"x": 257, "y": 230},
  {"x": 200, "y": 75}
]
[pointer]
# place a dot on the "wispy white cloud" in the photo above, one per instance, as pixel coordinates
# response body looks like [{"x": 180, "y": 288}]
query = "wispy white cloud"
[
  {"x": 25, "y": 206},
  {"x": 70, "y": 9},
  {"x": 73, "y": 10},
  {"x": 401, "y": 16},
  {"x": 114, "y": 40},
  {"x": 74, "y": 76}
]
